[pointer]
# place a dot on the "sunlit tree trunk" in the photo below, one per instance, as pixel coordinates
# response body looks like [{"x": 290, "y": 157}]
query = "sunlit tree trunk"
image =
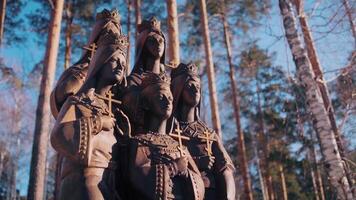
[
  {"x": 173, "y": 33},
  {"x": 17, "y": 131},
  {"x": 315, "y": 186},
  {"x": 236, "y": 105},
  {"x": 261, "y": 176},
  {"x": 210, "y": 68},
  {"x": 128, "y": 3},
  {"x": 283, "y": 181},
  {"x": 315, "y": 168},
  {"x": 138, "y": 17},
  {"x": 263, "y": 146},
  {"x": 349, "y": 13},
  {"x": 319, "y": 182},
  {"x": 318, "y": 72},
  {"x": 43, "y": 113},
  {"x": 2, "y": 19},
  {"x": 68, "y": 33},
  {"x": 332, "y": 159}
]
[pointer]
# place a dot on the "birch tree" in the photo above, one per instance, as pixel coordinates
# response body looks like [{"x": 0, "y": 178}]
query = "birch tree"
[
  {"x": 40, "y": 143},
  {"x": 318, "y": 72},
  {"x": 321, "y": 122}
]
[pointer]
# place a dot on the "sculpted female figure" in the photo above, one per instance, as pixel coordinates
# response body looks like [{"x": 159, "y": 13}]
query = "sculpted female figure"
[
  {"x": 159, "y": 168},
  {"x": 73, "y": 78},
  {"x": 84, "y": 131},
  {"x": 204, "y": 144},
  {"x": 150, "y": 47},
  {"x": 150, "y": 50}
]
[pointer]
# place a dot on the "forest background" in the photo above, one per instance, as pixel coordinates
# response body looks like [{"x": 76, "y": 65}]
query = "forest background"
[{"x": 271, "y": 98}]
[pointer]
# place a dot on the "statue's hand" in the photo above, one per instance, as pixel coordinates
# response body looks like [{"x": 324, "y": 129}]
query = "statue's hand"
[
  {"x": 205, "y": 162},
  {"x": 107, "y": 123},
  {"x": 182, "y": 166}
]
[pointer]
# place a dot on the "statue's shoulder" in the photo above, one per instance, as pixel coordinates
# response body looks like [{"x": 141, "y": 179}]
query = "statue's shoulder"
[
  {"x": 77, "y": 71},
  {"x": 198, "y": 129}
]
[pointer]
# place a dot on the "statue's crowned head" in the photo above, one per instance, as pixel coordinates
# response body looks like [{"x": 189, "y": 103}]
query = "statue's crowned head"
[
  {"x": 156, "y": 96},
  {"x": 107, "y": 15},
  {"x": 186, "y": 87},
  {"x": 106, "y": 21},
  {"x": 150, "y": 42},
  {"x": 109, "y": 61}
]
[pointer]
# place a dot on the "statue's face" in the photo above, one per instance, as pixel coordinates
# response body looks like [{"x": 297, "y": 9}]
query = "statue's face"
[
  {"x": 191, "y": 91},
  {"x": 161, "y": 103},
  {"x": 155, "y": 45},
  {"x": 113, "y": 69}
]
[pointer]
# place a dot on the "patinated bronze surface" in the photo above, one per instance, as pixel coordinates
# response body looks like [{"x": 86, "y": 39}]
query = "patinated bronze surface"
[
  {"x": 135, "y": 137},
  {"x": 84, "y": 131},
  {"x": 73, "y": 78},
  {"x": 203, "y": 143},
  {"x": 149, "y": 57},
  {"x": 159, "y": 166}
]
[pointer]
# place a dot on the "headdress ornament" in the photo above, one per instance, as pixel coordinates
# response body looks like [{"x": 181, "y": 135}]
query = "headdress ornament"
[
  {"x": 114, "y": 39},
  {"x": 153, "y": 24},
  {"x": 190, "y": 69},
  {"x": 106, "y": 14},
  {"x": 150, "y": 78}
]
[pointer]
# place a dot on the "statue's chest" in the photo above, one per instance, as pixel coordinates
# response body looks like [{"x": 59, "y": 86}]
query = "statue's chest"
[
  {"x": 201, "y": 140},
  {"x": 94, "y": 106},
  {"x": 160, "y": 146}
]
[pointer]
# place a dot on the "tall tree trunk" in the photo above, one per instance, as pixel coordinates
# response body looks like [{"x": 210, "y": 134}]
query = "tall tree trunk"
[
  {"x": 17, "y": 130},
  {"x": 318, "y": 72},
  {"x": 57, "y": 176},
  {"x": 128, "y": 3},
  {"x": 315, "y": 186},
  {"x": 173, "y": 33},
  {"x": 41, "y": 132},
  {"x": 333, "y": 162},
  {"x": 138, "y": 17},
  {"x": 351, "y": 19},
  {"x": 263, "y": 147},
  {"x": 210, "y": 68},
  {"x": 319, "y": 182},
  {"x": 261, "y": 176},
  {"x": 318, "y": 178},
  {"x": 236, "y": 105},
  {"x": 283, "y": 181},
  {"x": 68, "y": 33},
  {"x": 2, "y": 19}
]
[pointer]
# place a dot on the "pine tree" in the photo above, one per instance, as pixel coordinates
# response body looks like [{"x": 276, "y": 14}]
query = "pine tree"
[
  {"x": 236, "y": 105},
  {"x": 173, "y": 33},
  {"x": 41, "y": 132},
  {"x": 210, "y": 68}
]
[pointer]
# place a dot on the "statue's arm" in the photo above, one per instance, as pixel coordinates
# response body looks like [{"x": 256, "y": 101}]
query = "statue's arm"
[
  {"x": 71, "y": 136},
  {"x": 70, "y": 85},
  {"x": 224, "y": 171}
]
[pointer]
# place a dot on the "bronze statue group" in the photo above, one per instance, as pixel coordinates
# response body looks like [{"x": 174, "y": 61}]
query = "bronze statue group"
[{"x": 138, "y": 136}]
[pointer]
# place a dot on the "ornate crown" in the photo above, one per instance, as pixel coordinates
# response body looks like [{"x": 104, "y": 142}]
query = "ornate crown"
[
  {"x": 106, "y": 14},
  {"x": 150, "y": 78},
  {"x": 190, "y": 69},
  {"x": 112, "y": 38},
  {"x": 152, "y": 24}
]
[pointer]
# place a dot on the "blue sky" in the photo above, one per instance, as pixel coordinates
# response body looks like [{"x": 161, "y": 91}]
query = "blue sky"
[{"x": 333, "y": 48}]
